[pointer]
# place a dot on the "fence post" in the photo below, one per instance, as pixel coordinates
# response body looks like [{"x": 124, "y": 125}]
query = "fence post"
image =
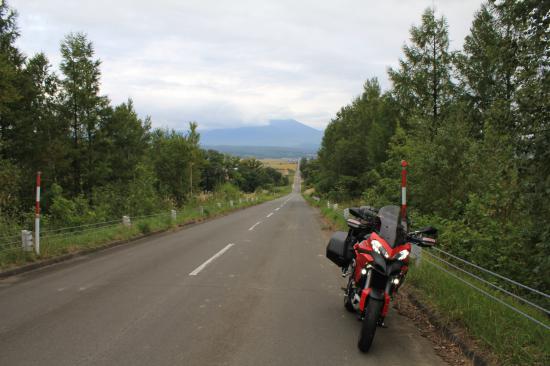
[
  {"x": 404, "y": 189},
  {"x": 416, "y": 253},
  {"x": 201, "y": 209},
  {"x": 37, "y": 215},
  {"x": 126, "y": 221},
  {"x": 26, "y": 240},
  {"x": 173, "y": 215},
  {"x": 231, "y": 203}
]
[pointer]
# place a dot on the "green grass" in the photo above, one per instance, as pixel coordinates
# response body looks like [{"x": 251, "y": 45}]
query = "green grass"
[
  {"x": 335, "y": 216},
  {"x": 511, "y": 338},
  {"x": 72, "y": 242}
]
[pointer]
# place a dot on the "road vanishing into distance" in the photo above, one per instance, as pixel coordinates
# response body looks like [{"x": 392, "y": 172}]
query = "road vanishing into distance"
[{"x": 250, "y": 288}]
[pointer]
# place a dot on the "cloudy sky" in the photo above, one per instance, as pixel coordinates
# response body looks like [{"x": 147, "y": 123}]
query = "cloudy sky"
[{"x": 238, "y": 62}]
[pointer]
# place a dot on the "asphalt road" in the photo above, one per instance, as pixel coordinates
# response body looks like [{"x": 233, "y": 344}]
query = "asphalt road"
[{"x": 250, "y": 288}]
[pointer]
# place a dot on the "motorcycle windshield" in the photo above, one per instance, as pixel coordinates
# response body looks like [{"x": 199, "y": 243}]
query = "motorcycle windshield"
[{"x": 392, "y": 228}]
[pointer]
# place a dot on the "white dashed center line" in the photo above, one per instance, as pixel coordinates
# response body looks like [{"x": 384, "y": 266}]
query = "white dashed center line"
[
  {"x": 253, "y": 226},
  {"x": 202, "y": 266},
  {"x": 271, "y": 214}
]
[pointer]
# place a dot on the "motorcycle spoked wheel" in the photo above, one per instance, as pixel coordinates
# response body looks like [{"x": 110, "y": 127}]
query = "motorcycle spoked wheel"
[
  {"x": 370, "y": 323},
  {"x": 349, "y": 296}
]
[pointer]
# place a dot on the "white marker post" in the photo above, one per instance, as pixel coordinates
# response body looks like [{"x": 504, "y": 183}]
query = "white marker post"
[
  {"x": 37, "y": 216},
  {"x": 404, "y": 189}
]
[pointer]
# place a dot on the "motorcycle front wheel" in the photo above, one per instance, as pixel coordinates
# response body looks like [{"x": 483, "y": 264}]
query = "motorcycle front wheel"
[
  {"x": 369, "y": 325},
  {"x": 349, "y": 296}
]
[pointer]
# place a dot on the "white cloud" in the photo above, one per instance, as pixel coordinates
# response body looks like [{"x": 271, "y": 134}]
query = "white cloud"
[{"x": 236, "y": 62}]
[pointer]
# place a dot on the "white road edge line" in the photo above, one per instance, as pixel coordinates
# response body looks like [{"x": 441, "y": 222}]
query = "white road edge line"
[
  {"x": 271, "y": 214},
  {"x": 253, "y": 226},
  {"x": 202, "y": 266}
]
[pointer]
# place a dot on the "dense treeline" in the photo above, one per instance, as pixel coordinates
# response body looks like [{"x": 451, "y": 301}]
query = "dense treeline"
[
  {"x": 98, "y": 161},
  {"x": 474, "y": 126}
]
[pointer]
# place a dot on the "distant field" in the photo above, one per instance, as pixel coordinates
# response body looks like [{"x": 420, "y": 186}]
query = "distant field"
[{"x": 282, "y": 165}]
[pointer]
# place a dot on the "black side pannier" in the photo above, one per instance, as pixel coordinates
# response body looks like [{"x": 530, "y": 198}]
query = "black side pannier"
[{"x": 337, "y": 250}]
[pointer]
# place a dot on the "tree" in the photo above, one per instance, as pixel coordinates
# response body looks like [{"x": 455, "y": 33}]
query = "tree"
[
  {"x": 47, "y": 134},
  {"x": 195, "y": 161},
  {"x": 214, "y": 170},
  {"x": 177, "y": 160},
  {"x": 251, "y": 174},
  {"x": 82, "y": 106},
  {"x": 422, "y": 84},
  {"x": 122, "y": 142},
  {"x": 478, "y": 67},
  {"x": 356, "y": 142},
  {"x": 11, "y": 63}
]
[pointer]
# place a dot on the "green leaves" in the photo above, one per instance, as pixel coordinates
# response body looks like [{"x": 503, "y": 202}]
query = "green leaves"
[
  {"x": 474, "y": 127},
  {"x": 422, "y": 83}
]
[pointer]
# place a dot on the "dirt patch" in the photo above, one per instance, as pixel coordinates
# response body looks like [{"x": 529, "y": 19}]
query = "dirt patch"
[
  {"x": 451, "y": 343},
  {"x": 327, "y": 226}
]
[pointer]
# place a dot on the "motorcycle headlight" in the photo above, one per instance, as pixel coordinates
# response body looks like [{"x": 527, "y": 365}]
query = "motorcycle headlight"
[
  {"x": 379, "y": 248},
  {"x": 402, "y": 255}
]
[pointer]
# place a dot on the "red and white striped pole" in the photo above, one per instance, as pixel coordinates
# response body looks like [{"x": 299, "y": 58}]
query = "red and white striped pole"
[
  {"x": 404, "y": 189},
  {"x": 37, "y": 215}
]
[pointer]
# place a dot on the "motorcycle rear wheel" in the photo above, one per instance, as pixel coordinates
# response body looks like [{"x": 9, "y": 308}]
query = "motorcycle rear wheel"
[{"x": 368, "y": 328}]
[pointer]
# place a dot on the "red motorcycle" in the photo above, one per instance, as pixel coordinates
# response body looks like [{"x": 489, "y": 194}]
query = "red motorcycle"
[{"x": 375, "y": 255}]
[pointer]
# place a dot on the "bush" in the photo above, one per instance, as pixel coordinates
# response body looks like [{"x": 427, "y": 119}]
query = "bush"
[
  {"x": 144, "y": 227},
  {"x": 228, "y": 191}
]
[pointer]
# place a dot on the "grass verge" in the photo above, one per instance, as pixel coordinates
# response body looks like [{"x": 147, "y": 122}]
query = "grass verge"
[{"x": 509, "y": 336}]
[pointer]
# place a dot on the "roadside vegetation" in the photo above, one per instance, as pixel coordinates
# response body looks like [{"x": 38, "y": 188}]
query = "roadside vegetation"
[
  {"x": 78, "y": 238},
  {"x": 473, "y": 125},
  {"x": 99, "y": 161}
]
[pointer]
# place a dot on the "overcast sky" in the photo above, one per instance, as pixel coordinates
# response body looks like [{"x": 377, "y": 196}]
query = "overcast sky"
[{"x": 238, "y": 62}]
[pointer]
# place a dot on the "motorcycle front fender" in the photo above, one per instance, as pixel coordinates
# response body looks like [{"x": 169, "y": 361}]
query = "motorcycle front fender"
[{"x": 370, "y": 293}]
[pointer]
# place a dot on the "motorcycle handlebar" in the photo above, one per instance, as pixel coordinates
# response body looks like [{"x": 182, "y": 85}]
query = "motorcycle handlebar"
[{"x": 418, "y": 239}]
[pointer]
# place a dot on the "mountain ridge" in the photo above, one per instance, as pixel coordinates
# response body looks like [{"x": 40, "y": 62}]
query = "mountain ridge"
[{"x": 286, "y": 133}]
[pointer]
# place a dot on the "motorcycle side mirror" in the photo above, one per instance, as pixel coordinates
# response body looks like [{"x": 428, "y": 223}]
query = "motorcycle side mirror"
[{"x": 428, "y": 230}]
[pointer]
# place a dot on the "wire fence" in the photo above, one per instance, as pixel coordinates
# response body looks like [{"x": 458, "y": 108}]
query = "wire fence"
[
  {"x": 497, "y": 291},
  {"x": 49, "y": 236},
  {"x": 512, "y": 294}
]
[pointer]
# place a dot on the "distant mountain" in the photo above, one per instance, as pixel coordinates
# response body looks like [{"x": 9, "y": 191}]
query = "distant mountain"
[
  {"x": 262, "y": 152},
  {"x": 278, "y": 133}
]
